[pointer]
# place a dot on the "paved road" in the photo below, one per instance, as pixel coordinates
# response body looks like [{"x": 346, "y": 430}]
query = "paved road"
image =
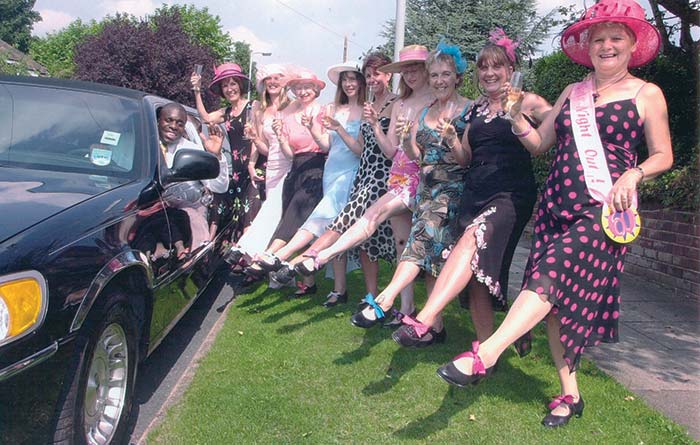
[{"x": 166, "y": 373}]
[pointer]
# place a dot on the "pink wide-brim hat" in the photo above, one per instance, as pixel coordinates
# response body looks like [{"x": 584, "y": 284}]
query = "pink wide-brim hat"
[
  {"x": 335, "y": 70},
  {"x": 224, "y": 71},
  {"x": 303, "y": 75},
  {"x": 408, "y": 55},
  {"x": 574, "y": 40},
  {"x": 265, "y": 71}
]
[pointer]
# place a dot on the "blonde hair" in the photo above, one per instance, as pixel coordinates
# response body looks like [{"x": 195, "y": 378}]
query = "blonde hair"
[{"x": 404, "y": 90}]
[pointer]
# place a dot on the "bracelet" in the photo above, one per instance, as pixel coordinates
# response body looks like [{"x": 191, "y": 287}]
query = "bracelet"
[
  {"x": 641, "y": 172},
  {"x": 524, "y": 133},
  {"x": 196, "y": 90}
]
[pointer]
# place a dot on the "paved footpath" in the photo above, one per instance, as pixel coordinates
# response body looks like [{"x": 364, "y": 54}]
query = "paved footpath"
[{"x": 658, "y": 356}]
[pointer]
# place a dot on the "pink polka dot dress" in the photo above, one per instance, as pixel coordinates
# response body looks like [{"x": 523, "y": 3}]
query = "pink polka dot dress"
[{"x": 572, "y": 261}]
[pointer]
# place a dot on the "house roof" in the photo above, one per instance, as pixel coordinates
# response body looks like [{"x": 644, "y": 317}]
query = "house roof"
[{"x": 13, "y": 55}]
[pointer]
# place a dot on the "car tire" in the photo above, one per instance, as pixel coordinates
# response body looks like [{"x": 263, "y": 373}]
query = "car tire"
[{"x": 99, "y": 387}]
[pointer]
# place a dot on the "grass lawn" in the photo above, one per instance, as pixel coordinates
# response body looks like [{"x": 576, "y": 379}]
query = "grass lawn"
[{"x": 291, "y": 371}]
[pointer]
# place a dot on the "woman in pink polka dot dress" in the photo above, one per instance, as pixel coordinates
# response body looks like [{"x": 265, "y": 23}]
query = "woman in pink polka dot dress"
[{"x": 572, "y": 275}]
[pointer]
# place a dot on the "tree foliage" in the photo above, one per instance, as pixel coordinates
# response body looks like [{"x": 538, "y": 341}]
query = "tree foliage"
[
  {"x": 467, "y": 23},
  {"x": 55, "y": 50},
  {"x": 202, "y": 27},
  {"x": 153, "y": 55},
  {"x": 16, "y": 22}
]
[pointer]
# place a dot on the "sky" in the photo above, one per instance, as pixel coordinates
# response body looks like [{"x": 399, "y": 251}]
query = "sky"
[{"x": 305, "y": 32}]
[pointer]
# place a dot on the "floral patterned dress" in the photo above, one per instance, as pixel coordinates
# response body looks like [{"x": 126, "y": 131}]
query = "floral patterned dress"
[
  {"x": 247, "y": 199},
  {"x": 498, "y": 198},
  {"x": 437, "y": 199}
]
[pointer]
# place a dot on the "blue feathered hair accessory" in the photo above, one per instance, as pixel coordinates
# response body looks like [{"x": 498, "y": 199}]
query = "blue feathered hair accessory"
[{"x": 452, "y": 50}]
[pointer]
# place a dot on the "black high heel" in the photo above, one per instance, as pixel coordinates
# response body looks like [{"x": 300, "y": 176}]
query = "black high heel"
[
  {"x": 359, "y": 319},
  {"x": 413, "y": 333},
  {"x": 575, "y": 409},
  {"x": 454, "y": 376}
]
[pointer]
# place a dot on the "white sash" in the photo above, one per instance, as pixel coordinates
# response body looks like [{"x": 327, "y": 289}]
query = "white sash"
[
  {"x": 622, "y": 227},
  {"x": 590, "y": 149}
]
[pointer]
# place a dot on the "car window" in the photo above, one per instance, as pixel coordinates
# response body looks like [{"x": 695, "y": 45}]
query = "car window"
[{"x": 67, "y": 130}]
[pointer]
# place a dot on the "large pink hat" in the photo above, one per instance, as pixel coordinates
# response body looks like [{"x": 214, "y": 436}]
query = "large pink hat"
[
  {"x": 224, "y": 71},
  {"x": 408, "y": 55},
  {"x": 574, "y": 41},
  {"x": 265, "y": 71},
  {"x": 303, "y": 75}
]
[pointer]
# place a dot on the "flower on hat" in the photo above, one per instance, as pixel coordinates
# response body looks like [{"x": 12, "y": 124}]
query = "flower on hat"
[
  {"x": 452, "y": 50},
  {"x": 499, "y": 38}
]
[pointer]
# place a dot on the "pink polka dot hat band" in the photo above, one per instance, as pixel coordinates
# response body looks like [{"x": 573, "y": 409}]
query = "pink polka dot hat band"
[{"x": 574, "y": 41}]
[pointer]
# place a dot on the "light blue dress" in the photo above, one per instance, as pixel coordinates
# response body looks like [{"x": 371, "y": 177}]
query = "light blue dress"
[{"x": 338, "y": 175}]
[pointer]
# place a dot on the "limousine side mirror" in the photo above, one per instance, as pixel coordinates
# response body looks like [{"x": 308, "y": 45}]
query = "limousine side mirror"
[{"x": 193, "y": 165}]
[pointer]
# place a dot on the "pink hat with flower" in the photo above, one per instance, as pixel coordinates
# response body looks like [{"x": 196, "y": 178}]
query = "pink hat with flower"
[
  {"x": 224, "y": 71},
  {"x": 574, "y": 41}
]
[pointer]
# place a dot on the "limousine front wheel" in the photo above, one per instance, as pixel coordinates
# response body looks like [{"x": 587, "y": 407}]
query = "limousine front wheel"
[{"x": 96, "y": 407}]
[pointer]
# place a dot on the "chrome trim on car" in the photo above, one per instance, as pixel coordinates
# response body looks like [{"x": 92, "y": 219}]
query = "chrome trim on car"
[
  {"x": 44, "y": 300},
  {"x": 120, "y": 262},
  {"x": 28, "y": 362}
]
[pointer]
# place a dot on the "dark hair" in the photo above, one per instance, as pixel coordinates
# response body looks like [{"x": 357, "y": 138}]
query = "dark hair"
[
  {"x": 242, "y": 85},
  {"x": 341, "y": 98},
  {"x": 375, "y": 60},
  {"x": 493, "y": 54}
]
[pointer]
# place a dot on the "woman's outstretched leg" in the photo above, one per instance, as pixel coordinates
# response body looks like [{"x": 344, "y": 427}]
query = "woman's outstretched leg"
[
  {"x": 455, "y": 275},
  {"x": 384, "y": 208},
  {"x": 404, "y": 275},
  {"x": 527, "y": 310}
]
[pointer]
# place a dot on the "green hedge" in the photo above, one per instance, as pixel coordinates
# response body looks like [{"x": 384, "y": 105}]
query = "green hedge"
[{"x": 677, "y": 188}]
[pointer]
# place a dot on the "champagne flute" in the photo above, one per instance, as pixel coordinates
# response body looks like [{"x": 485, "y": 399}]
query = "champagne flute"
[
  {"x": 248, "y": 114},
  {"x": 198, "y": 69},
  {"x": 406, "y": 113},
  {"x": 328, "y": 113},
  {"x": 447, "y": 111},
  {"x": 516, "y": 87},
  {"x": 370, "y": 94}
]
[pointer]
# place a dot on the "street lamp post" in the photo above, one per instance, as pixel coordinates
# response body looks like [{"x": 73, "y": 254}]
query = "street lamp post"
[{"x": 250, "y": 66}]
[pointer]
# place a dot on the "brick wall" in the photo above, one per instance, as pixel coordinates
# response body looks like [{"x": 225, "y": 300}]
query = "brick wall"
[{"x": 668, "y": 251}]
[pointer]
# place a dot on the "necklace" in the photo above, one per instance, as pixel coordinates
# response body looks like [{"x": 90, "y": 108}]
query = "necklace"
[{"x": 596, "y": 94}]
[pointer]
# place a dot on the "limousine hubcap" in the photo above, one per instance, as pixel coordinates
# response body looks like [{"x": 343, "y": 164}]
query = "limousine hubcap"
[{"x": 106, "y": 385}]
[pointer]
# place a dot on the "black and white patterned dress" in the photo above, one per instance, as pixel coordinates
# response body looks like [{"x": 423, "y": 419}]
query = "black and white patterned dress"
[{"x": 368, "y": 187}]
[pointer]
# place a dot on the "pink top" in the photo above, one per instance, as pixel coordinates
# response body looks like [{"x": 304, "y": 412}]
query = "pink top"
[{"x": 300, "y": 139}]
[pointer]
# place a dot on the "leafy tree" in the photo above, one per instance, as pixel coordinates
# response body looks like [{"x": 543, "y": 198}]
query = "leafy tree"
[
  {"x": 55, "y": 50},
  {"x": 156, "y": 56},
  {"x": 16, "y": 22},
  {"x": 467, "y": 23},
  {"x": 202, "y": 27}
]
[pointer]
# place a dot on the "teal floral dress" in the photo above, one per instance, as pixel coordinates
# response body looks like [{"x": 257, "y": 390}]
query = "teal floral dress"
[{"x": 437, "y": 199}]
